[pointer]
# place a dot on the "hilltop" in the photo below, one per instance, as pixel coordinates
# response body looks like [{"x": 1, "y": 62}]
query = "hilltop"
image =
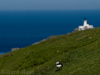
[{"x": 78, "y": 51}]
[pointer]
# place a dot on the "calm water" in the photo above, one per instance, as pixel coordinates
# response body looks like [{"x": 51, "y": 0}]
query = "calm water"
[{"x": 23, "y": 28}]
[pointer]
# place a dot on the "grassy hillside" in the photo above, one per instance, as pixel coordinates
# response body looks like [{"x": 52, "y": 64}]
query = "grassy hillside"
[{"x": 78, "y": 51}]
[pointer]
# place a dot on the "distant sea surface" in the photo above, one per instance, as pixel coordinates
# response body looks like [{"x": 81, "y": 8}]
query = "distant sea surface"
[{"x": 23, "y": 28}]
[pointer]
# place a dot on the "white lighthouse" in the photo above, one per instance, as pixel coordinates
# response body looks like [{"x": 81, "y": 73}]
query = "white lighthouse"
[
  {"x": 85, "y": 22},
  {"x": 85, "y": 26}
]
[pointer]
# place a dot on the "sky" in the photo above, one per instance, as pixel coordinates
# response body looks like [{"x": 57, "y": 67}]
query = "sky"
[{"x": 49, "y": 4}]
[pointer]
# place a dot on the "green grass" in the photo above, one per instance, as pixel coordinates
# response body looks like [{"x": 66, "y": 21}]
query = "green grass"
[{"x": 77, "y": 51}]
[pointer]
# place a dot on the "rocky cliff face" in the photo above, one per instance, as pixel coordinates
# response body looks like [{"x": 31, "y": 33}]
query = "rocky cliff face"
[
  {"x": 51, "y": 37},
  {"x": 77, "y": 29},
  {"x": 14, "y": 49}
]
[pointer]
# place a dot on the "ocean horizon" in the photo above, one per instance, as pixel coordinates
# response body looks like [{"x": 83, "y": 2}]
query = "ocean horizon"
[{"x": 20, "y": 29}]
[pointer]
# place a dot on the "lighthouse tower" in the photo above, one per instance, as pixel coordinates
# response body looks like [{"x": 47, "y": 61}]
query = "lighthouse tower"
[{"x": 85, "y": 22}]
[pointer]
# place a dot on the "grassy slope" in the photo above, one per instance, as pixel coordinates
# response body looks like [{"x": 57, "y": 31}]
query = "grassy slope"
[{"x": 78, "y": 53}]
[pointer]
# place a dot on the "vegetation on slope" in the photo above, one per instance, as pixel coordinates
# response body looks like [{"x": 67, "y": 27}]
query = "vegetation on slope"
[{"x": 78, "y": 51}]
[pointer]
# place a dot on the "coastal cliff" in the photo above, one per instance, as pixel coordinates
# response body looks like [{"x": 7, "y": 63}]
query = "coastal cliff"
[{"x": 79, "y": 53}]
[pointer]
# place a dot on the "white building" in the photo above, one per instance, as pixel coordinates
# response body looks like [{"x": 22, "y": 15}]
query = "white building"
[{"x": 85, "y": 26}]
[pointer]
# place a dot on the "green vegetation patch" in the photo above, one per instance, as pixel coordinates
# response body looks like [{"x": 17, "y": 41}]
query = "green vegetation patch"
[{"x": 78, "y": 51}]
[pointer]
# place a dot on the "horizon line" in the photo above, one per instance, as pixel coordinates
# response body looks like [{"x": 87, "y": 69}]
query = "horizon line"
[{"x": 50, "y": 10}]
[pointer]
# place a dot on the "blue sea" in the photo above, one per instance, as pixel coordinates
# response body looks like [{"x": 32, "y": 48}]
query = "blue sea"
[{"x": 20, "y": 29}]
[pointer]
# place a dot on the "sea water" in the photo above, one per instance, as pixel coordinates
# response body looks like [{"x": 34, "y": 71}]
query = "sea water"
[{"x": 20, "y": 29}]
